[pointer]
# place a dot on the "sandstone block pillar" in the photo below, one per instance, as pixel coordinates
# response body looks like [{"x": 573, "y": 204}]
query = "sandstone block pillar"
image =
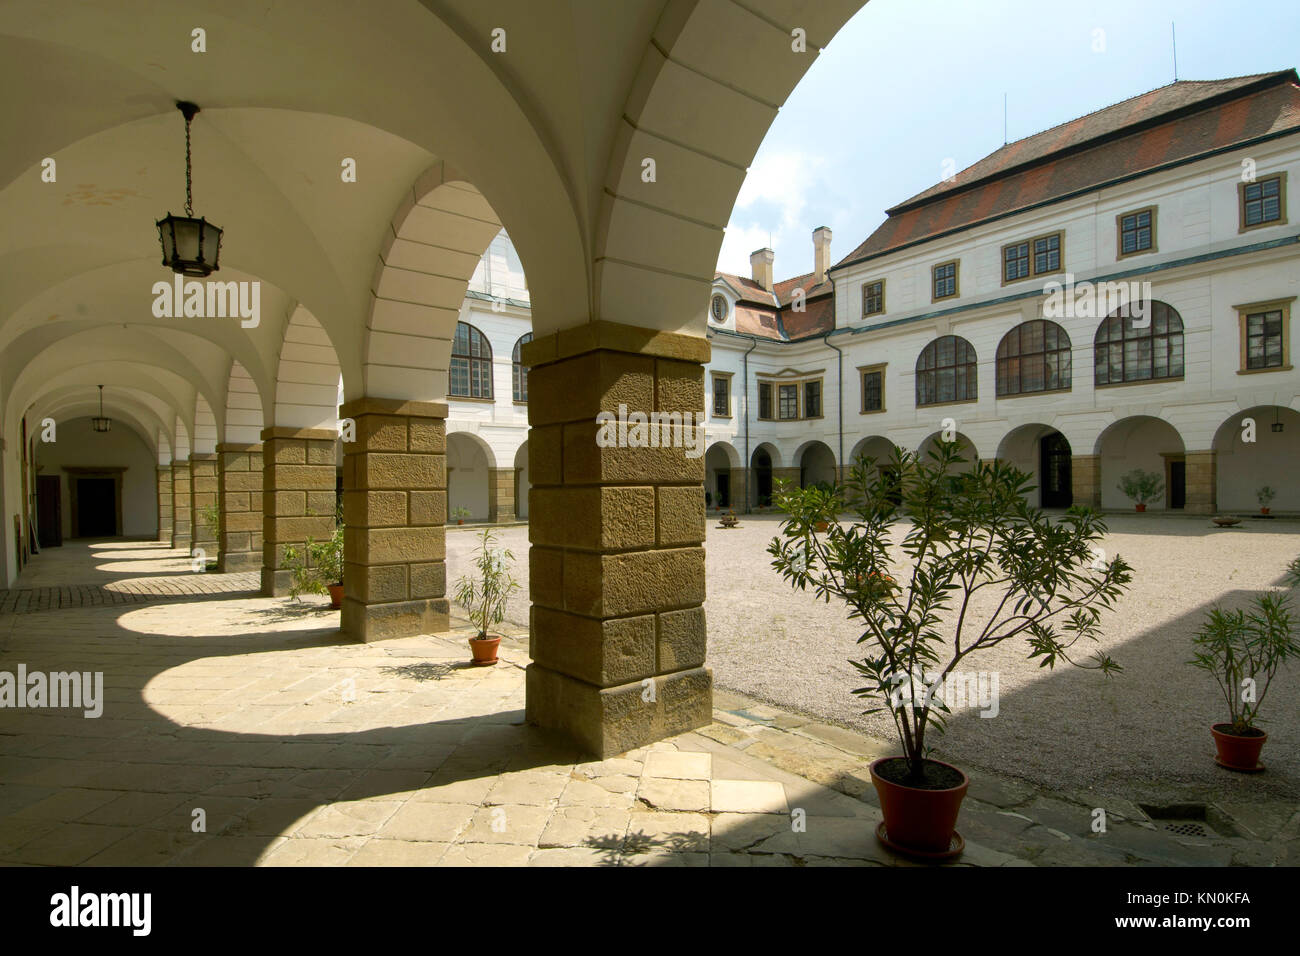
[
  {"x": 395, "y": 507},
  {"x": 165, "y": 503},
  {"x": 181, "y": 494},
  {"x": 501, "y": 494},
  {"x": 203, "y": 495},
  {"x": 1085, "y": 480},
  {"x": 616, "y": 565},
  {"x": 298, "y": 496},
  {"x": 792, "y": 475},
  {"x": 239, "y": 491},
  {"x": 1202, "y": 482}
]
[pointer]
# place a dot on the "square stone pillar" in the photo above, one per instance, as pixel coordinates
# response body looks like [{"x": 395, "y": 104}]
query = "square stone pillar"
[
  {"x": 1085, "y": 480},
  {"x": 203, "y": 494},
  {"x": 181, "y": 505},
  {"x": 791, "y": 475},
  {"x": 239, "y": 490},
  {"x": 616, "y": 565},
  {"x": 165, "y": 503},
  {"x": 395, "y": 507},
  {"x": 1202, "y": 483},
  {"x": 501, "y": 494},
  {"x": 299, "y": 478}
]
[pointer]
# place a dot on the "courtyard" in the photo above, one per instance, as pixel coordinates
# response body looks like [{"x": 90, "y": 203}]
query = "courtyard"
[{"x": 240, "y": 729}]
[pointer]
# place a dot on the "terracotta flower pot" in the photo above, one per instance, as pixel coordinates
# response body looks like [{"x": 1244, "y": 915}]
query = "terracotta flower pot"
[
  {"x": 1235, "y": 751},
  {"x": 484, "y": 650},
  {"x": 1141, "y": 507},
  {"x": 919, "y": 821},
  {"x": 1263, "y": 511},
  {"x": 823, "y": 526},
  {"x": 336, "y": 595}
]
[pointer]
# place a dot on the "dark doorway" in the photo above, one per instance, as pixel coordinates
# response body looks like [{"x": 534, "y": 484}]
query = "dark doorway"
[
  {"x": 1178, "y": 483},
  {"x": 49, "y": 511},
  {"x": 724, "y": 489},
  {"x": 763, "y": 478},
  {"x": 892, "y": 483},
  {"x": 1054, "y": 460},
  {"x": 96, "y": 508}
]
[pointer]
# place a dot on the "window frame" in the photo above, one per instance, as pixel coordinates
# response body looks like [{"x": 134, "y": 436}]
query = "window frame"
[
  {"x": 713, "y": 395},
  {"x": 1281, "y": 196},
  {"x": 972, "y": 375},
  {"x": 1244, "y": 312},
  {"x": 866, "y": 314},
  {"x": 797, "y": 397},
  {"x": 1119, "y": 233},
  {"x": 999, "y": 359},
  {"x": 863, "y": 372},
  {"x": 956, "y": 280},
  {"x": 1125, "y": 381},
  {"x": 803, "y": 399},
  {"x": 471, "y": 359},
  {"x": 518, "y": 370},
  {"x": 1031, "y": 255},
  {"x": 726, "y": 308},
  {"x": 770, "y": 404}
]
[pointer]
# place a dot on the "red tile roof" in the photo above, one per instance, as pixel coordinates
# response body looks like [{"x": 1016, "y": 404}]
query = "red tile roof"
[{"x": 1174, "y": 124}]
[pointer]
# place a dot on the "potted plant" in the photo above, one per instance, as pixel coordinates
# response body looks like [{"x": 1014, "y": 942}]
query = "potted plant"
[
  {"x": 981, "y": 534},
  {"x": 318, "y": 568},
  {"x": 1141, "y": 486},
  {"x": 1242, "y": 650},
  {"x": 460, "y": 514},
  {"x": 1265, "y": 494},
  {"x": 484, "y": 595}
]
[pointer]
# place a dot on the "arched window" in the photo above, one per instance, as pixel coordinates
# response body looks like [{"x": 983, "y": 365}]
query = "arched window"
[
  {"x": 471, "y": 363},
  {"x": 1033, "y": 357},
  {"x": 945, "y": 372},
  {"x": 1139, "y": 350},
  {"x": 520, "y": 371}
]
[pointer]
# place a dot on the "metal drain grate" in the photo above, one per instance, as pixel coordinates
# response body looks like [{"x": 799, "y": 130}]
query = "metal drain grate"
[{"x": 1189, "y": 829}]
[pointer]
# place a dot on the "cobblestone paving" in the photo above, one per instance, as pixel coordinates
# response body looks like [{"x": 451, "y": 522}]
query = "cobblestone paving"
[{"x": 246, "y": 730}]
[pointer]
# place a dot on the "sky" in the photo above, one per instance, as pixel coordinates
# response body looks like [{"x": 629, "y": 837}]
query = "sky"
[{"x": 908, "y": 85}]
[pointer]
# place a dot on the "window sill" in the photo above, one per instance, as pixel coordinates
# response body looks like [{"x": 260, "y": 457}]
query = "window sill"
[
  {"x": 1262, "y": 225},
  {"x": 1271, "y": 368},
  {"x": 1041, "y": 391},
  {"x": 872, "y": 411},
  {"x": 1140, "y": 381},
  {"x": 466, "y": 398},
  {"x": 959, "y": 401}
]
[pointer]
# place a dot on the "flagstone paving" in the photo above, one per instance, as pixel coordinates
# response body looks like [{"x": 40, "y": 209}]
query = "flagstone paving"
[{"x": 241, "y": 730}]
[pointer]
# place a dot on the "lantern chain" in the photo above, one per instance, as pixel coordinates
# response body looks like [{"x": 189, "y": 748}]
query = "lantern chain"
[{"x": 189, "y": 201}]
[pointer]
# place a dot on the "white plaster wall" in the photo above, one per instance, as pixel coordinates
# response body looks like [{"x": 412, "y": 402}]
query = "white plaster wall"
[
  {"x": 467, "y": 477},
  {"x": 78, "y": 446}
]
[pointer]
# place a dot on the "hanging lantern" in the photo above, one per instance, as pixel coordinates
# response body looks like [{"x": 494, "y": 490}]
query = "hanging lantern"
[
  {"x": 190, "y": 247},
  {"x": 100, "y": 422}
]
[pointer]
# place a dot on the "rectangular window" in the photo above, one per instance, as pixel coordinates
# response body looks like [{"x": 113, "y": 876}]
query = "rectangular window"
[
  {"x": 1137, "y": 232},
  {"x": 788, "y": 396},
  {"x": 1015, "y": 262},
  {"x": 873, "y": 298},
  {"x": 1265, "y": 336},
  {"x": 812, "y": 399},
  {"x": 945, "y": 280},
  {"x": 1263, "y": 202},
  {"x": 721, "y": 396},
  {"x": 873, "y": 390},
  {"x": 765, "y": 401},
  {"x": 1047, "y": 254}
]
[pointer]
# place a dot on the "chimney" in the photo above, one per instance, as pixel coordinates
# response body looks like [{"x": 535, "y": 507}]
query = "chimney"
[
  {"x": 760, "y": 264},
  {"x": 821, "y": 254}
]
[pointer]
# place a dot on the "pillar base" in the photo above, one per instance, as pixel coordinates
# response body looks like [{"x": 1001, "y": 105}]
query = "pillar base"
[
  {"x": 229, "y": 562},
  {"x": 381, "y": 622},
  {"x": 609, "y": 721}
]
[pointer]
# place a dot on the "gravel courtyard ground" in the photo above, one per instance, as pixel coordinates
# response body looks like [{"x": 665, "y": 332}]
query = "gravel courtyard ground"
[{"x": 1065, "y": 729}]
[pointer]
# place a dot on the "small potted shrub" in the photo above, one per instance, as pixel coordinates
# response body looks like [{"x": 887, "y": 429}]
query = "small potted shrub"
[
  {"x": 979, "y": 533},
  {"x": 1265, "y": 494},
  {"x": 460, "y": 514},
  {"x": 1141, "y": 486},
  {"x": 1242, "y": 650},
  {"x": 318, "y": 569},
  {"x": 484, "y": 595}
]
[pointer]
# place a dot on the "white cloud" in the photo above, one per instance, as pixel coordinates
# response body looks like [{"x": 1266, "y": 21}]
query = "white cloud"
[{"x": 780, "y": 179}]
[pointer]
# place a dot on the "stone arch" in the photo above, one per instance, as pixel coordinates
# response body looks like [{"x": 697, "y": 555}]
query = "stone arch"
[
  {"x": 307, "y": 377},
  {"x": 434, "y": 243},
  {"x": 1047, "y": 455},
  {"x": 244, "y": 421},
  {"x": 470, "y": 461},
  {"x": 816, "y": 463},
  {"x": 967, "y": 448},
  {"x": 522, "y": 481},
  {"x": 1272, "y": 459},
  {"x": 873, "y": 446},
  {"x": 722, "y": 475},
  {"x": 205, "y": 428},
  {"x": 1140, "y": 442}
]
